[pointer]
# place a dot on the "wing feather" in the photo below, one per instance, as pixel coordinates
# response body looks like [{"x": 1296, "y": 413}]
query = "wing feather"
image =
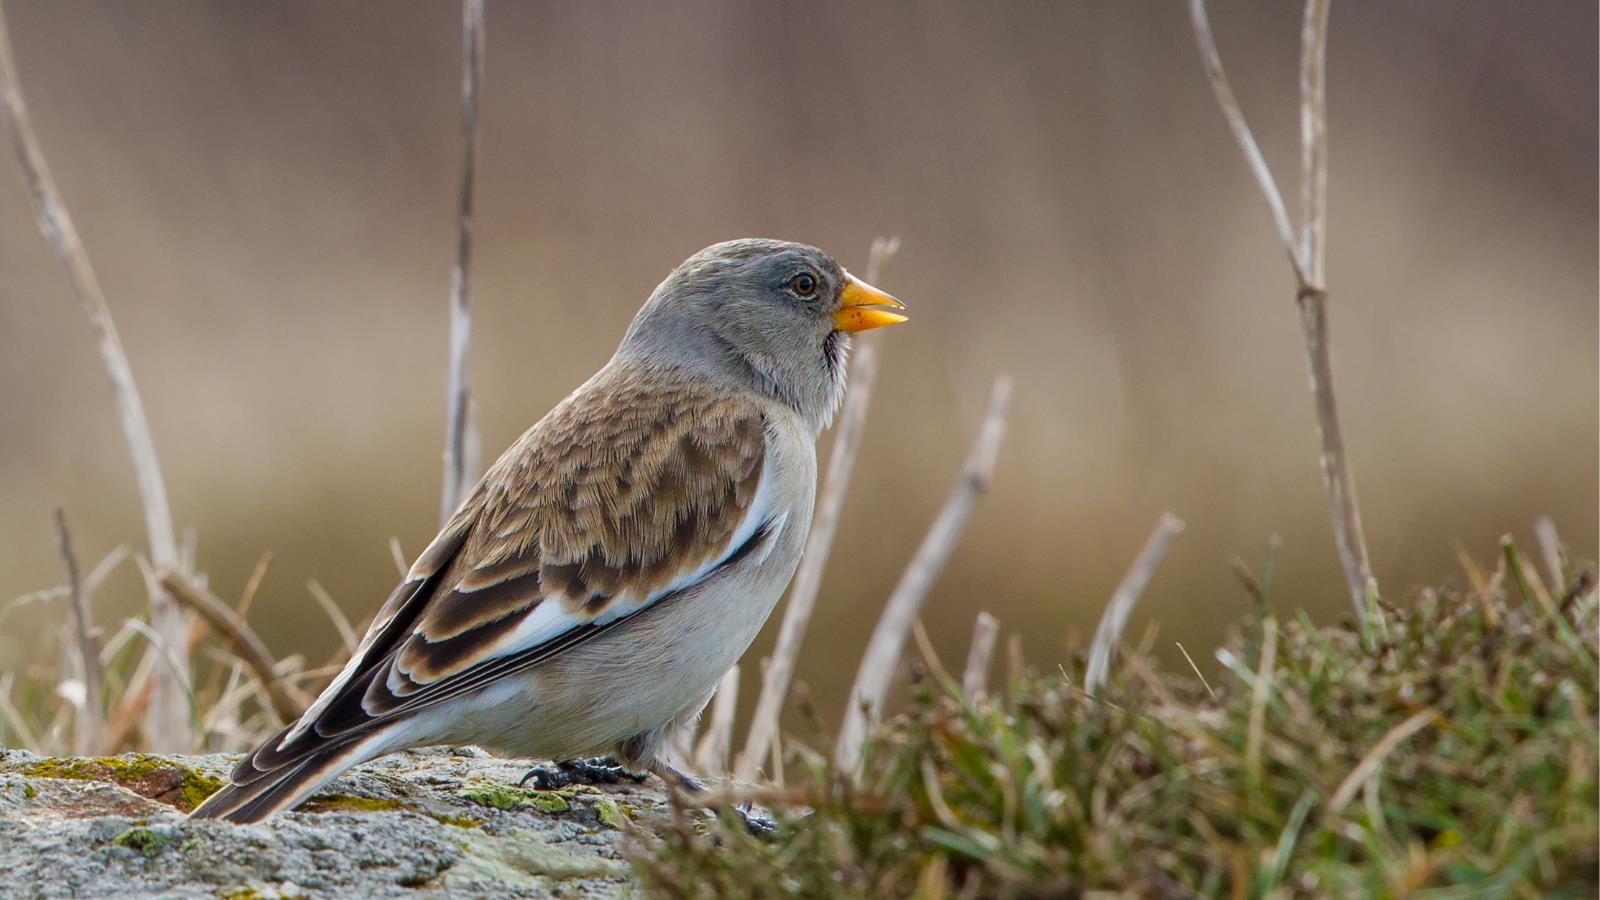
[{"x": 630, "y": 491}]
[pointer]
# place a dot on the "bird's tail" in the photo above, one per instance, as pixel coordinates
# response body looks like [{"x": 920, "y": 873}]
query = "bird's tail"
[{"x": 252, "y": 799}]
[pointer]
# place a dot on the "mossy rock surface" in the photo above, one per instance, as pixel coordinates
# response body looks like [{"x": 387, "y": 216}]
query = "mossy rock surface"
[
  {"x": 160, "y": 778},
  {"x": 435, "y": 823}
]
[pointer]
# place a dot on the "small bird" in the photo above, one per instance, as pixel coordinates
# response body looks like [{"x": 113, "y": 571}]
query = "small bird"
[{"x": 591, "y": 590}]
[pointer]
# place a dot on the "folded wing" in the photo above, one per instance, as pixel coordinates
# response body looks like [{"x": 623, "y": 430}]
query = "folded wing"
[{"x": 604, "y": 507}]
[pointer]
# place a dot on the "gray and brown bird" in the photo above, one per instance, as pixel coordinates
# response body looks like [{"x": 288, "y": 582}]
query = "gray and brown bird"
[{"x": 595, "y": 585}]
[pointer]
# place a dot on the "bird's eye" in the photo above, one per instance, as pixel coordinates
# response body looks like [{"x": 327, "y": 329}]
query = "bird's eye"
[{"x": 804, "y": 284}]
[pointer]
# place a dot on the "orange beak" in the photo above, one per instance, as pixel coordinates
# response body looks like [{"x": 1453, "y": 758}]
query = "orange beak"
[{"x": 858, "y": 303}]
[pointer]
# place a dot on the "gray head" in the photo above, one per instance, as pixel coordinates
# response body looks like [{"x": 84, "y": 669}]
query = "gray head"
[{"x": 770, "y": 316}]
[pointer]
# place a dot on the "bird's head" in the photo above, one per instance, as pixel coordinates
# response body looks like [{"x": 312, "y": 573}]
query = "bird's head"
[{"x": 771, "y": 316}]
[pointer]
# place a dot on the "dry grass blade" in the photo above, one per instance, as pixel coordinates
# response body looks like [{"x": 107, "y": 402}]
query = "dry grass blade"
[
  {"x": 711, "y": 753},
  {"x": 1544, "y": 531},
  {"x": 87, "y": 729},
  {"x": 1368, "y": 766},
  {"x": 341, "y": 623},
  {"x": 1197, "y": 673},
  {"x": 824, "y": 525},
  {"x": 459, "y": 427},
  {"x": 1256, "y": 731},
  {"x": 287, "y": 702},
  {"x": 167, "y": 707},
  {"x": 888, "y": 638},
  {"x": 399, "y": 555},
  {"x": 975, "y": 677},
  {"x": 1123, "y": 599},
  {"x": 12, "y": 717},
  {"x": 247, "y": 597}
]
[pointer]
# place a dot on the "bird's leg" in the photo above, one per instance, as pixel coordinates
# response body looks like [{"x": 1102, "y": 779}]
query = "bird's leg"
[
  {"x": 565, "y": 773},
  {"x": 754, "y": 824}
]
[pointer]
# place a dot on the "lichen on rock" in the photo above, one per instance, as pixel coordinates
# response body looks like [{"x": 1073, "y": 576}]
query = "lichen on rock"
[{"x": 430, "y": 823}]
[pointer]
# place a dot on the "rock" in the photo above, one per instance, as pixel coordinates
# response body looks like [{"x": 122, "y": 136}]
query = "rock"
[{"x": 428, "y": 823}]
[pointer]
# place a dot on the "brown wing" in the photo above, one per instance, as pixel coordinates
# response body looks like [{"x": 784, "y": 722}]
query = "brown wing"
[{"x": 631, "y": 489}]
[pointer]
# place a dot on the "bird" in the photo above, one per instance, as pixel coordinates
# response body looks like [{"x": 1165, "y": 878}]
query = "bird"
[{"x": 590, "y": 591}]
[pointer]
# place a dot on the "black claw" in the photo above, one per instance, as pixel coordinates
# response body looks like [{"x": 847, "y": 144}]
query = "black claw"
[
  {"x": 604, "y": 770},
  {"x": 757, "y": 826}
]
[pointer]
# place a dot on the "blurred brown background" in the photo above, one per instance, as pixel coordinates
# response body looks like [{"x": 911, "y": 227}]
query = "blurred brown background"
[{"x": 267, "y": 190}]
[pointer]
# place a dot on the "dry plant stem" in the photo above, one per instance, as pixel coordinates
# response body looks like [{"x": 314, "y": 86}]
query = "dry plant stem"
[
  {"x": 458, "y": 474},
  {"x": 1307, "y": 257},
  {"x": 168, "y": 720},
  {"x": 889, "y": 637},
  {"x": 975, "y": 678},
  {"x": 87, "y": 729},
  {"x": 711, "y": 753},
  {"x": 824, "y": 525},
  {"x": 1223, "y": 89},
  {"x": 1314, "y": 142},
  {"x": 287, "y": 702},
  {"x": 1123, "y": 599}
]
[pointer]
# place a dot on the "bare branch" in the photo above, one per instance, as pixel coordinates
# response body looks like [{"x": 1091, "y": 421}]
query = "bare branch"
[
  {"x": 287, "y": 702},
  {"x": 975, "y": 680},
  {"x": 1307, "y": 257},
  {"x": 888, "y": 638},
  {"x": 87, "y": 729},
  {"x": 1242, "y": 134},
  {"x": 824, "y": 525},
  {"x": 1123, "y": 599},
  {"x": 168, "y": 719},
  {"x": 460, "y": 438}
]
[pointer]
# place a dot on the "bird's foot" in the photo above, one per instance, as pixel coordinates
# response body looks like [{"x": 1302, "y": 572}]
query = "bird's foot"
[
  {"x": 601, "y": 770},
  {"x": 756, "y": 826}
]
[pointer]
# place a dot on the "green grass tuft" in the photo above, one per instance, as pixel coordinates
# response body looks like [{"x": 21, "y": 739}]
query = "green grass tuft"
[{"x": 1450, "y": 744}]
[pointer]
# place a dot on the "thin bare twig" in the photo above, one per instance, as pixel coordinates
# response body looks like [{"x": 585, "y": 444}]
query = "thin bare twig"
[
  {"x": 711, "y": 753},
  {"x": 459, "y": 427},
  {"x": 167, "y": 709},
  {"x": 1314, "y": 143},
  {"x": 287, "y": 702},
  {"x": 1307, "y": 257},
  {"x": 824, "y": 525},
  {"x": 1123, "y": 599},
  {"x": 1223, "y": 89},
  {"x": 87, "y": 729},
  {"x": 975, "y": 678},
  {"x": 888, "y": 638}
]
